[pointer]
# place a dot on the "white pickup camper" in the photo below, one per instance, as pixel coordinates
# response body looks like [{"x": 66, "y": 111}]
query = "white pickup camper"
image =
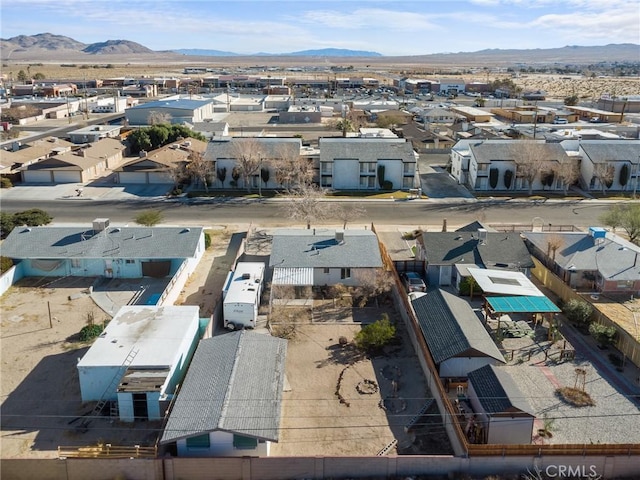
[{"x": 241, "y": 295}]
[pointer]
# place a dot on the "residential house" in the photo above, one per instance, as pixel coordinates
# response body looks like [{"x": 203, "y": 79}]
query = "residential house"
[
  {"x": 456, "y": 338},
  {"x": 493, "y": 164},
  {"x": 500, "y": 407},
  {"x": 596, "y": 260},
  {"x": 473, "y": 114},
  {"x": 104, "y": 251},
  {"x": 18, "y": 155},
  {"x": 274, "y": 156},
  {"x": 230, "y": 401},
  {"x": 424, "y": 140},
  {"x": 443, "y": 251},
  {"x": 367, "y": 163},
  {"x": 93, "y": 133},
  {"x": 139, "y": 359},
  {"x": 176, "y": 111},
  {"x": 211, "y": 130},
  {"x": 610, "y": 165},
  {"x": 159, "y": 166},
  {"x": 77, "y": 166},
  {"x": 318, "y": 257}
]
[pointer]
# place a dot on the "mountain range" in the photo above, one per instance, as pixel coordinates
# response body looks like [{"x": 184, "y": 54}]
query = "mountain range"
[{"x": 51, "y": 47}]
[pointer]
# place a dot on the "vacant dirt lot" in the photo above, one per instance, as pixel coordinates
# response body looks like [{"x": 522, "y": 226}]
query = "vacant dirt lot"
[{"x": 320, "y": 372}]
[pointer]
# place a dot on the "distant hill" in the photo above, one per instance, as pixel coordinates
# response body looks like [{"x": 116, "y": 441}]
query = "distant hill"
[
  {"x": 204, "y": 53},
  {"x": 333, "y": 52},
  {"x": 58, "y": 48},
  {"x": 46, "y": 41},
  {"x": 116, "y": 47}
]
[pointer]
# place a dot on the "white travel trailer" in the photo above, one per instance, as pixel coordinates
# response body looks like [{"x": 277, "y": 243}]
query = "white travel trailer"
[{"x": 241, "y": 295}]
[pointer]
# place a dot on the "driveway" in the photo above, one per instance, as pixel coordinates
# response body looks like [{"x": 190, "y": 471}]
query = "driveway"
[{"x": 437, "y": 183}]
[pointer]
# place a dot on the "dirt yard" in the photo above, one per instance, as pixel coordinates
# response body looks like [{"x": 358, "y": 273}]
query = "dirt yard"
[{"x": 340, "y": 402}]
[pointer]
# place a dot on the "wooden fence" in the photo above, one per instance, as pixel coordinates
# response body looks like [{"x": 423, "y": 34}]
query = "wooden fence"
[{"x": 107, "y": 451}]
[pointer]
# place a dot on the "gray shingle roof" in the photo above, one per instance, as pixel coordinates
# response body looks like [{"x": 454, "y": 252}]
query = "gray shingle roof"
[
  {"x": 115, "y": 242},
  {"x": 272, "y": 147},
  {"x": 497, "y": 391},
  {"x": 303, "y": 248},
  {"x": 486, "y": 152},
  {"x": 234, "y": 384},
  {"x": 501, "y": 250},
  {"x": 614, "y": 258},
  {"x": 451, "y": 328},
  {"x": 366, "y": 149},
  {"x": 619, "y": 150}
]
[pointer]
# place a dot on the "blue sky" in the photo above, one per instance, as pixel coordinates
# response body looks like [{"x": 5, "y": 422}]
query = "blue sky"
[{"x": 390, "y": 27}]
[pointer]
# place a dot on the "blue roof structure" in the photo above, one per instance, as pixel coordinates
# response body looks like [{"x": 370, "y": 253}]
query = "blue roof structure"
[{"x": 522, "y": 304}]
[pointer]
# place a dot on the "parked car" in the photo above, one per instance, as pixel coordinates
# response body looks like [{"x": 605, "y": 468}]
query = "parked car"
[{"x": 413, "y": 282}]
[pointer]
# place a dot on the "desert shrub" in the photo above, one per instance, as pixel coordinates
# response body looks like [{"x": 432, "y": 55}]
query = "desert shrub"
[
  {"x": 33, "y": 217},
  {"x": 602, "y": 334},
  {"x": 91, "y": 331},
  {"x": 5, "y": 264},
  {"x": 578, "y": 312},
  {"x": 376, "y": 335},
  {"x": 508, "y": 177},
  {"x": 5, "y": 182},
  {"x": 207, "y": 240},
  {"x": 575, "y": 397},
  {"x": 149, "y": 218}
]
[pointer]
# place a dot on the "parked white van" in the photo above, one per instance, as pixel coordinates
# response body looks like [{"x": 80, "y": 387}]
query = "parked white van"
[{"x": 560, "y": 121}]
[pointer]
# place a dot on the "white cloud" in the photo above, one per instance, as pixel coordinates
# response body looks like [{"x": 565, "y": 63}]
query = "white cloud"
[{"x": 369, "y": 18}]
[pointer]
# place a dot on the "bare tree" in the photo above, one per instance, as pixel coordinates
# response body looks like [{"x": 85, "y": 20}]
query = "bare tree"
[
  {"x": 529, "y": 157},
  {"x": 568, "y": 173},
  {"x": 348, "y": 212},
  {"x": 248, "y": 153},
  {"x": 604, "y": 172},
  {"x": 158, "y": 118},
  {"x": 292, "y": 169},
  {"x": 305, "y": 203},
  {"x": 371, "y": 283},
  {"x": 554, "y": 242},
  {"x": 200, "y": 168},
  {"x": 177, "y": 173}
]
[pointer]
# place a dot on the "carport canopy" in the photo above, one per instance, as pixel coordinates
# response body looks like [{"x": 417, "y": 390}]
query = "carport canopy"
[
  {"x": 298, "y": 276},
  {"x": 521, "y": 304}
]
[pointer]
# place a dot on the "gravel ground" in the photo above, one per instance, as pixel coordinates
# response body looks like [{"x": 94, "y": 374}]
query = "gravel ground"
[{"x": 613, "y": 418}]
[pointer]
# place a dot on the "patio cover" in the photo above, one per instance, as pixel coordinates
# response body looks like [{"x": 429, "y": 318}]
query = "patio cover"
[
  {"x": 521, "y": 304},
  {"x": 504, "y": 282},
  {"x": 292, "y": 276}
]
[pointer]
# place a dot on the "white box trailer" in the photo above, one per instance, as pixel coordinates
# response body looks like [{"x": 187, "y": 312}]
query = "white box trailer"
[{"x": 241, "y": 295}]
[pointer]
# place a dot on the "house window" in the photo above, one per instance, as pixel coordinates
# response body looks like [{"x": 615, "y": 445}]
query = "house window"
[
  {"x": 325, "y": 168},
  {"x": 325, "y": 181},
  {"x": 367, "y": 182},
  {"x": 325, "y": 271},
  {"x": 408, "y": 169},
  {"x": 407, "y": 182},
  {"x": 244, "y": 443},
  {"x": 75, "y": 262},
  {"x": 201, "y": 441},
  {"x": 345, "y": 273},
  {"x": 129, "y": 261},
  {"x": 368, "y": 168}
]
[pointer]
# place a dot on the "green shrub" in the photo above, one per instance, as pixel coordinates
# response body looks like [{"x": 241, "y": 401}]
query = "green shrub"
[
  {"x": 602, "y": 334},
  {"x": 375, "y": 335},
  {"x": 578, "y": 312},
  {"x": 387, "y": 185},
  {"x": 5, "y": 182},
  {"x": 149, "y": 218},
  {"x": 32, "y": 218},
  {"x": 91, "y": 331},
  {"x": 207, "y": 240},
  {"x": 5, "y": 264}
]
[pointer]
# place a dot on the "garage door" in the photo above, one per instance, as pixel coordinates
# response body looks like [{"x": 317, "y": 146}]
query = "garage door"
[
  {"x": 67, "y": 177},
  {"x": 37, "y": 176},
  {"x": 133, "y": 177},
  {"x": 160, "y": 178}
]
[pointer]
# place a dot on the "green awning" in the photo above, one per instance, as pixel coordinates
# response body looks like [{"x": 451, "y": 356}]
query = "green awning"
[{"x": 522, "y": 304}]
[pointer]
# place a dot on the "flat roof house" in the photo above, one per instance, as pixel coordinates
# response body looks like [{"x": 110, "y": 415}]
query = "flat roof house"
[
  {"x": 139, "y": 359},
  {"x": 231, "y": 398}
]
